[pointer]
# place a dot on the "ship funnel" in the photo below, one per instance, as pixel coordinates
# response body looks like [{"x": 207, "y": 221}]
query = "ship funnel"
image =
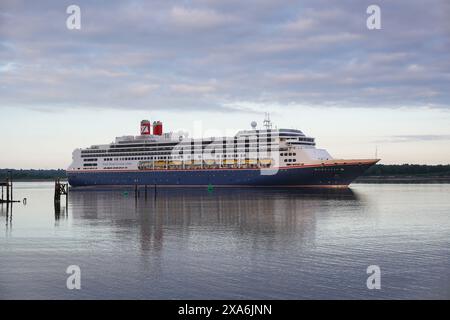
[
  {"x": 157, "y": 128},
  {"x": 145, "y": 127}
]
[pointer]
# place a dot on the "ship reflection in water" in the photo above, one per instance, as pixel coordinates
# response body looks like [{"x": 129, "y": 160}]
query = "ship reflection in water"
[
  {"x": 222, "y": 213},
  {"x": 228, "y": 243}
]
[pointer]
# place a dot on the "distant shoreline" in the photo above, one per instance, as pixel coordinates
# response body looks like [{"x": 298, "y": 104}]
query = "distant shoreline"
[
  {"x": 405, "y": 173},
  {"x": 403, "y": 179}
]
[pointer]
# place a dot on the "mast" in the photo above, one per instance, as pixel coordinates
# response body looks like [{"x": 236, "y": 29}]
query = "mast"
[{"x": 267, "y": 123}]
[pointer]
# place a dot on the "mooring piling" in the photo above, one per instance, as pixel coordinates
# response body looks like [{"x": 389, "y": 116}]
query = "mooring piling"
[
  {"x": 61, "y": 189},
  {"x": 9, "y": 191},
  {"x": 138, "y": 190}
]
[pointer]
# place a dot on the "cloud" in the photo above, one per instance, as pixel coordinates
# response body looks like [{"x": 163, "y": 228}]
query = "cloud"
[
  {"x": 192, "y": 89},
  {"x": 140, "y": 90},
  {"x": 414, "y": 138},
  {"x": 194, "y": 19},
  {"x": 210, "y": 55}
]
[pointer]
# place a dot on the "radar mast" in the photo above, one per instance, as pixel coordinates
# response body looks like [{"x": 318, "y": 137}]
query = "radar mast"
[{"x": 267, "y": 123}]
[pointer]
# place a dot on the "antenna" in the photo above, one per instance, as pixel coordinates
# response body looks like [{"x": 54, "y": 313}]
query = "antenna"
[{"x": 267, "y": 123}]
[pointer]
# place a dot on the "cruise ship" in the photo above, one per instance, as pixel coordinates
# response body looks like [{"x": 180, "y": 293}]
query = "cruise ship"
[{"x": 256, "y": 157}]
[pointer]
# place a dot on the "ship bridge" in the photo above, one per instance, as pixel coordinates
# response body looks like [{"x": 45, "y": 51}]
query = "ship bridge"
[{"x": 292, "y": 137}]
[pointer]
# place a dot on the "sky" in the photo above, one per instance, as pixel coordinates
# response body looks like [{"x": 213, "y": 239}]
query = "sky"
[{"x": 213, "y": 66}]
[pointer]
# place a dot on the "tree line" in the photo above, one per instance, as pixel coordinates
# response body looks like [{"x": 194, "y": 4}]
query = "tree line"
[
  {"x": 32, "y": 174},
  {"x": 408, "y": 169}
]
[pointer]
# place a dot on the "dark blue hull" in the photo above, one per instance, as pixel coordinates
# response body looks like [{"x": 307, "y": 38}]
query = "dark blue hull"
[{"x": 335, "y": 175}]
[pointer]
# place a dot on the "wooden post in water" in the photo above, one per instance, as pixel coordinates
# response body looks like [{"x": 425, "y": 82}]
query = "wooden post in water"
[
  {"x": 57, "y": 197},
  {"x": 7, "y": 190},
  {"x": 61, "y": 189}
]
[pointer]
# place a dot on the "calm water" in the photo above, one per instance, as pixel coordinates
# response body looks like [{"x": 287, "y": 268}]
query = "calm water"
[{"x": 228, "y": 244}]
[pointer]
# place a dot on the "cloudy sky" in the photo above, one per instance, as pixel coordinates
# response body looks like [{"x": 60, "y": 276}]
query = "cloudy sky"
[{"x": 220, "y": 64}]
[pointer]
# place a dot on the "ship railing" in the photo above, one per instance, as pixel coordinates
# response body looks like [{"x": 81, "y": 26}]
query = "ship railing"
[{"x": 206, "y": 164}]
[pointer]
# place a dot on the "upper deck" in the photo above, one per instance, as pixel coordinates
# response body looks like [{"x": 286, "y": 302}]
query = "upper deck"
[{"x": 290, "y": 136}]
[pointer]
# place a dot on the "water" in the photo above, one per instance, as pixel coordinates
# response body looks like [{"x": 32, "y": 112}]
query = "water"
[{"x": 228, "y": 243}]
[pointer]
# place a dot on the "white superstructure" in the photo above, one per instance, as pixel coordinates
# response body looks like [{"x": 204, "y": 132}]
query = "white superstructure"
[{"x": 264, "y": 148}]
